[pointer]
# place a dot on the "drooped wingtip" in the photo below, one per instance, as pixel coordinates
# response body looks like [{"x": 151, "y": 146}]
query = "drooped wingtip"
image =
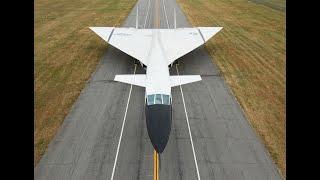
[
  {"x": 103, "y": 32},
  {"x": 208, "y": 32}
]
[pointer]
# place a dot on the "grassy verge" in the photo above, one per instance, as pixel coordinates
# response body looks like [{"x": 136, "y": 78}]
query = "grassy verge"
[
  {"x": 66, "y": 53},
  {"x": 251, "y": 53}
]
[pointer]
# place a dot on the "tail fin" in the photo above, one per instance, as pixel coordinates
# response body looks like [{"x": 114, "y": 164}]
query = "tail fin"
[
  {"x": 185, "y": 79},
  {"x": 137, "y": 79}
]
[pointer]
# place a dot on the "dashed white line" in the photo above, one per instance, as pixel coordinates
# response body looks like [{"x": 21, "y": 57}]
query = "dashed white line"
[
  {"x": 123, "y": 123},
  {"x": 145, "y": 20},
  {"x": 165, "y": 13},
  {"x": 185, "y": 110}
]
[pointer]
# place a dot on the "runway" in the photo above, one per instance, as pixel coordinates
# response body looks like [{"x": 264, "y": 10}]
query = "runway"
[{"x": 86, "y": 145}]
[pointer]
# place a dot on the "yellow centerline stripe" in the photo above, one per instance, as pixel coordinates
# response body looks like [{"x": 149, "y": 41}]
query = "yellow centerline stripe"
[
  {"x": 156, "y": 22},
  {"x": 155, "y": 165}
]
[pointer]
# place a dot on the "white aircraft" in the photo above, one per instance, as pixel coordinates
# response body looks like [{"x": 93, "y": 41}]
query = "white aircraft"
[{"x": 156, "y": 50}]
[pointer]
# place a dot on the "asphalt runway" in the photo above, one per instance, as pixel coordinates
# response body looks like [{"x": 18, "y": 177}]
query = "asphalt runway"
[{"x": 225, "y": 146}]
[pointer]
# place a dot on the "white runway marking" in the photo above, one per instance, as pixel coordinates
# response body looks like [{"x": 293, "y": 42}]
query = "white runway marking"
[
  {"x": 145, "y": 20},
  {"x": 185, "y": 110},
  {"x": 123, "y": 122},
  {"x": 165, "y": 13}
]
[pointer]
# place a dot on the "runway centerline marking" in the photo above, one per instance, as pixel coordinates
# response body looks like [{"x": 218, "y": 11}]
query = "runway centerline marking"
[
  {"x": 123, "y": 123},
  {"x": 185, "y": 110},
  {"x": 156, "y": 18},
  {"x": 155, "y": 165}
]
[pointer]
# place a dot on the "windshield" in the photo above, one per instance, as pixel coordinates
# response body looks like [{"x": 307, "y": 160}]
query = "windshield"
[
  {"x": 151, "y": 99},
  {"x": 158, "y": 99}
]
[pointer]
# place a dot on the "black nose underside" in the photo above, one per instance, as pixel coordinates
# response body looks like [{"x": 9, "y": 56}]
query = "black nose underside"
[{"x": 158, "y": 117}]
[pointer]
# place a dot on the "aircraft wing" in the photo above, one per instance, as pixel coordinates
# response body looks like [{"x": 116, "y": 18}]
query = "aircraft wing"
[
  {"x": 132, "y": 41},
  {"x": 180, "y": 41},
  {"x": 137, "y": 42},
  {"x": 184, "y": 79},
  {"x": 136, "y": 79}
]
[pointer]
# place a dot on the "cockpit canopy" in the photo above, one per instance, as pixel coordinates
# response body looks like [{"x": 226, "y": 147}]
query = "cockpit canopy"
[{"x": 158, "y": 99}]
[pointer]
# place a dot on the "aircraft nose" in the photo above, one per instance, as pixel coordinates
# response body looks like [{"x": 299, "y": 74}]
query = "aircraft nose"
[{"x": 159, "y": 117}]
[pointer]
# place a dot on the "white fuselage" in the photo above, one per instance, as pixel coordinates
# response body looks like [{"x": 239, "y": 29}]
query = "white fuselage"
[{"x": 157, "y": 75}]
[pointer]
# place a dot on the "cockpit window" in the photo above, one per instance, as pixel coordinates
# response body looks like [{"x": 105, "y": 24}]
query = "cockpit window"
[
  {"x": 158, "y": 99},
  {"x": 150, "y": 99},
  {"x": 165, "y": 99}
]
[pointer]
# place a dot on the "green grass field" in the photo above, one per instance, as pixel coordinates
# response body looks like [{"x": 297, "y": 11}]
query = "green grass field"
[
  {"x": 66, "y": 52},
  {"x": 251, "y": 53}
]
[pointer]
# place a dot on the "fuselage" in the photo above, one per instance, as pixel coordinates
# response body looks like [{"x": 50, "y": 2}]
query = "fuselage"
[
  {"x": 158, "y": 109},
  {"x": 158, "y": 77}
]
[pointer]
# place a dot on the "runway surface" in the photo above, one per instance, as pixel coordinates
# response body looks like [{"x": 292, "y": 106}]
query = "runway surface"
[{"x": 225, "y": 146}]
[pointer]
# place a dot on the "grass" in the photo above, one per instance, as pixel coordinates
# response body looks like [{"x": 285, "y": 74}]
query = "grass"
[
  {"x": 251, "y": 54},
  {"x": 66, "y": 52}
]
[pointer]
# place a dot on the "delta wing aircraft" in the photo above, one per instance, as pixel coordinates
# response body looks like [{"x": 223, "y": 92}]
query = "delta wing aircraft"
[{"x": 157, "y": 50}]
